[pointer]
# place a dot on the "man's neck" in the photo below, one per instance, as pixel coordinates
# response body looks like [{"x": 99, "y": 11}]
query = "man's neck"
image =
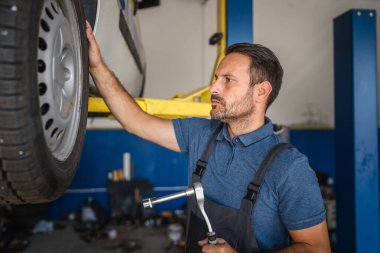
[{"x": 246, "y": 125}]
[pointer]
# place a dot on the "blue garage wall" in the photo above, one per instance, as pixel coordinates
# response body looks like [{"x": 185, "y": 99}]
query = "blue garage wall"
[
  {"x": 318, "y": 146},
  {"x": 103, "y": 152},
  {"x": 167, "y": 170}
]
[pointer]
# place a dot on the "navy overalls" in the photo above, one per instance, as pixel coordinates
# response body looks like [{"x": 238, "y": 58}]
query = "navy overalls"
[{"x": 233, "y": 225}]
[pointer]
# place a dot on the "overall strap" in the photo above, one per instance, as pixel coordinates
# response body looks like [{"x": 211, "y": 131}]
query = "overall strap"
[
  {"x": 202, "y": 162},
  {"x": 254, "y": 186}
]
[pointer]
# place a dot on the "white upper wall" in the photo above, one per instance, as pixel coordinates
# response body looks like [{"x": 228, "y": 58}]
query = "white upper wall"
[
  {"x": 175, "y": 36},
  {"x": 300, "y": 32}
]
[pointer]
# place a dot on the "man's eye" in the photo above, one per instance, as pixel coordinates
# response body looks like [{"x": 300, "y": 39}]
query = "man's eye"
[{"x": 228, "y": 80}]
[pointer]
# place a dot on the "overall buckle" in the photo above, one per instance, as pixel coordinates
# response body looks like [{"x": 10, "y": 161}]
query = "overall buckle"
[
  {"x": 252, "y": 191},
  {"x": 200, "y": 167}
]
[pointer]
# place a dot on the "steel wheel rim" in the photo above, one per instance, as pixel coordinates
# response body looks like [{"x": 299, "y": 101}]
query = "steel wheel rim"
[{"x": 60, "y": 76}]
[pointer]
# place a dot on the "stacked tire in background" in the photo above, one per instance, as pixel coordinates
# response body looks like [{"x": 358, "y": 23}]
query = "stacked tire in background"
[{"x": 43, "y": 97}]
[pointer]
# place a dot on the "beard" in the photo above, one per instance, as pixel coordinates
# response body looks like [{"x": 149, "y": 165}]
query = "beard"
[{"x": 238, "y": 109}]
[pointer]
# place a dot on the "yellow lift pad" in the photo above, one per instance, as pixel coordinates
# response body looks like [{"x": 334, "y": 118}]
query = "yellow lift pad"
[{"x": 164, "y": 108}]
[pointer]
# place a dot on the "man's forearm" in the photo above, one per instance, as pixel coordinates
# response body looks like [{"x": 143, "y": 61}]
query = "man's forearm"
[
  {"x": 121, "y": 104},
  {"x": 128, "y": 112}
]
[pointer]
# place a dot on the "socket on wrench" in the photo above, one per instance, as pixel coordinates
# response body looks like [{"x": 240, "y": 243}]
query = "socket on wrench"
[{"x": 197, "y": 189}]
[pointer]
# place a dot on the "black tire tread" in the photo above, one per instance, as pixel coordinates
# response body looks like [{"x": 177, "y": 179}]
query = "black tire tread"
[
  {"x": 7, "y": 192},
  {"x": 13, "y": 19},
  {"x": 11, "y": 86},
  {"x": 11, "y": 70},
  {"x": 17, "y": 17},
  {"x": 18, "y": 176},
  {"x": 9, "y": 3},
  {"x": 15, "y": 136},
  {"x": 12, "y": 55},
  {"x": 12, "y": 38},
  {"x": 14, "y": 133},
  {"x": 16, "y": 152},
  {"x": 13, "y": 102},
  {"x": 19, "y": 165},
  {"x": 16, "y": 118}
]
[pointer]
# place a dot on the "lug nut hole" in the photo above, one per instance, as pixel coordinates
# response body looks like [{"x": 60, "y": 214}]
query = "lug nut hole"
[
  {"x": 45, "y": 26},
  {"x": 54, "y": 132},
  {"x": 48, "y": 13},
  {"x": 42, "y": 88},
  {"x": 41, "y": 66},
  {"x": 42, "y": 44},
  {"x": 44, "y": 109},
  {"x": 48, "y": 124}
]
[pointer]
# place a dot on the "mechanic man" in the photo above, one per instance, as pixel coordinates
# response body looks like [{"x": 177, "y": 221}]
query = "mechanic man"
[{"x": 287, "y": 215}]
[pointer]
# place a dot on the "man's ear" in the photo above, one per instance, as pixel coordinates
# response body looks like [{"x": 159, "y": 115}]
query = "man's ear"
[{"x": 263, "y": 91}]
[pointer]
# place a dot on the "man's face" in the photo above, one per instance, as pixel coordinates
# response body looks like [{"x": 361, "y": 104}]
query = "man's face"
[{"x": 231, "y": 92}]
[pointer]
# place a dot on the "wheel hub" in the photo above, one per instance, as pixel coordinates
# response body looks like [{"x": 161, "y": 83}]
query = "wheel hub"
[{"x": 60, "y": 76}]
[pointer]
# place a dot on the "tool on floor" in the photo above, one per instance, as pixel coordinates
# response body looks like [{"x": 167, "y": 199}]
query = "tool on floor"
[{"x": 196, "y": 189}]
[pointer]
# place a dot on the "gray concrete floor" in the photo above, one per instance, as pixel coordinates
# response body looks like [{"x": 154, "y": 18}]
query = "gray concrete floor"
[{"x": 67, "y": 240}]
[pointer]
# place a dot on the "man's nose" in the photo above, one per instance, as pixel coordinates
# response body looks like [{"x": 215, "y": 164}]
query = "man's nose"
[{"x": 215, "y": 87}]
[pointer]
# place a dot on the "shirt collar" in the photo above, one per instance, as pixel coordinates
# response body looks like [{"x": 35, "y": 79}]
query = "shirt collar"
[{"x": 251, "y": 137}]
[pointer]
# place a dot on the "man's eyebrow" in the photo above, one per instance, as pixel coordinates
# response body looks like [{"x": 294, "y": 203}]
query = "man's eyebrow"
[{"x": 226, "y": 75}]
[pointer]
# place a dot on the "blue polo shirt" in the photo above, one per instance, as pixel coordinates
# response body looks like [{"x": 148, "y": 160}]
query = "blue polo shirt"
[{"x": 289, "y": 198}]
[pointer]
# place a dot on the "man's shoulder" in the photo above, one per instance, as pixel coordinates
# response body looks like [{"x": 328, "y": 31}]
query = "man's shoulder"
[
  {"x": 192, "y": 131},
  {"x": 197, "y": 125},
  {"x": 290, "y": 156},
  {"x": 197, "y": 121},
  {"x": 290, "y": 164}
]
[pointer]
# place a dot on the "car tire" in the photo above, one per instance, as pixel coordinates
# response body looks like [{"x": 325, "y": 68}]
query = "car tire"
[{"x": 43, "y": 97}]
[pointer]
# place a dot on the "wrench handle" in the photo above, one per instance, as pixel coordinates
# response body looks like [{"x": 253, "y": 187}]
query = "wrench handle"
[{"x": 150, "y": 202}]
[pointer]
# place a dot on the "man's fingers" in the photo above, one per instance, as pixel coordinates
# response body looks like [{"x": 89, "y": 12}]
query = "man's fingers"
[
  {"x": 220, "y": 241},
  {"x": 88, "y": 27},
  {"x": 93, "y": 48},
  {"x": 90, "y": 35},
  {"x": 220, "y": 246},
  {"x": 203, "y": 242}
]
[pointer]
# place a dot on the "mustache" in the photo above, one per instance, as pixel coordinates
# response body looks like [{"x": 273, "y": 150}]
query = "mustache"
[{"x": 218, "y": 98}]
